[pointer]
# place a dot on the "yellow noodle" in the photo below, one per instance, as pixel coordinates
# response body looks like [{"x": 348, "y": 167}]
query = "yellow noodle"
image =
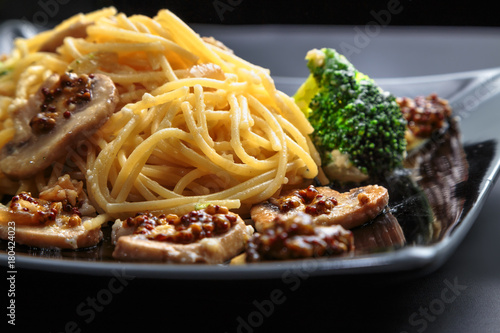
[
  {"x": 176, "y": 139},
  {"x": 96, "y": 221}
]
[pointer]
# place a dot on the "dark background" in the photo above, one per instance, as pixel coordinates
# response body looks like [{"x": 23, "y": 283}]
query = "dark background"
[{"x": 414, "y": 12}]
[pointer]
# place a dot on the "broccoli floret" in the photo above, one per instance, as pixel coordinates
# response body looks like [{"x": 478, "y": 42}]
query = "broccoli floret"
[{"x": 350, "y": 114}]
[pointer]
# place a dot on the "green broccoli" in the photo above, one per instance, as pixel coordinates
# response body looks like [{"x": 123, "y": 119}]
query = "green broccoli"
[{"x": 356, "y": 124}]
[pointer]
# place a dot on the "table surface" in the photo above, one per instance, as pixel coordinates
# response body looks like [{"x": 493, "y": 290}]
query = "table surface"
[{"x": 460, "y": 296}]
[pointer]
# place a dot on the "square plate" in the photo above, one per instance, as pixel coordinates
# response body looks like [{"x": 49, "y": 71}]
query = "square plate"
[{"x": 434, "y": 201}]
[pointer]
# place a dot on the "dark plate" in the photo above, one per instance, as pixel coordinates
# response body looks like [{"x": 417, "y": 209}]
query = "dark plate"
[{"x": 434, "y": 201}]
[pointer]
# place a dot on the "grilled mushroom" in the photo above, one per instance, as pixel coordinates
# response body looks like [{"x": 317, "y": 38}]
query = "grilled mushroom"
[
  {"x": 77, "y": 29},
  {"x": 67, "y": 109},
  {"x": 60, "y": 217},
  {"x": 325, "y": 205},
  {"x": 211, "y": 235}
]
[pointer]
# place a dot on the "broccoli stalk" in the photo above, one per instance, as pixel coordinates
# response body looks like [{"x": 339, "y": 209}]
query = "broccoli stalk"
[{"x": 352, "y": 117}]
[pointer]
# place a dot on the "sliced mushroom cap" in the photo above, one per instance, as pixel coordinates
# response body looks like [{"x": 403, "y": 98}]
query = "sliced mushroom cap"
[
  {"x": 348, "y": 209},
  {"x": 77, "y": 30},
  {"x": 208, "y": 70},
  {"x": 211, "y": 40},
  {"x": 67, "y": 109}
]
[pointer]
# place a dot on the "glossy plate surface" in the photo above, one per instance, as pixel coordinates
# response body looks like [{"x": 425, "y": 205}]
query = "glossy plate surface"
[{"x": 433, "y": 202}]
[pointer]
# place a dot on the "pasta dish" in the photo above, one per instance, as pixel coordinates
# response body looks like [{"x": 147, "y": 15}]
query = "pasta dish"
[{"x": 185, "y": 149}]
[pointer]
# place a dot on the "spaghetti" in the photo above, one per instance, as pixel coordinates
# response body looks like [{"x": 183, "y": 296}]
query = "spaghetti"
[{"x": 195, "y": 124}]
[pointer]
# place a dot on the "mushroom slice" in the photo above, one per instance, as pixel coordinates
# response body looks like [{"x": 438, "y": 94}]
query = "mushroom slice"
[
  {"x": 296, "y": 236},
  {"x": 53, "y": 220},
  {"x": 212, "y": 41},
  {"x": 325, "y": 205},
  {"x": 208, "y": 70},
  {"x": 66, "y": 109},
  {"x": 54, "y": 237},
  {"x": 212, "y": 235},
  {"x": 77, "y": 29},
  {"x": 426, "y": 115},
  {"x": 383, "y": 233}
]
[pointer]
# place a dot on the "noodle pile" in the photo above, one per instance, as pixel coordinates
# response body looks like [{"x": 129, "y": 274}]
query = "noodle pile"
[{"x": 195, "y": 123}]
